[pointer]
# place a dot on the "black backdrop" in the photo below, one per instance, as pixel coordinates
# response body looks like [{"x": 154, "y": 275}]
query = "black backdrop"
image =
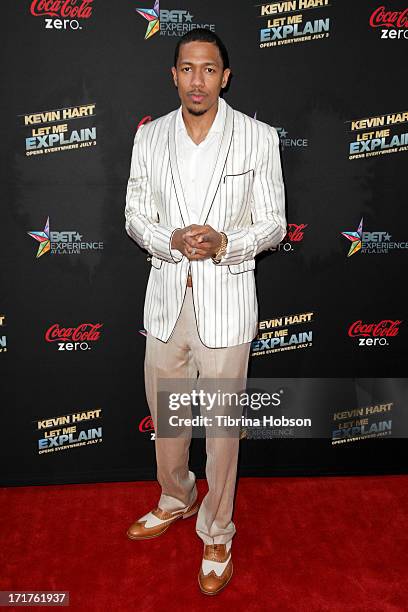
[{"x": 109, "y": 77}]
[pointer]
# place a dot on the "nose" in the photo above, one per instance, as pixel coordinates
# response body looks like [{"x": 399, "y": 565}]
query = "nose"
[{"x": 197, "y": 78}]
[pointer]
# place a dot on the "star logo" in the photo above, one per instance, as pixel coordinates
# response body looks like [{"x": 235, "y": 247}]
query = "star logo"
[
  {"x": 43, "y": 238},
  {"x": 153, "y": 17},
  {"x": 356, "y": 239}
]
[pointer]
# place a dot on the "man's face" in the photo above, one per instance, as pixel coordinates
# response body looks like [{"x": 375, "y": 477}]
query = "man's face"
[{"x": 199, "y": 76}]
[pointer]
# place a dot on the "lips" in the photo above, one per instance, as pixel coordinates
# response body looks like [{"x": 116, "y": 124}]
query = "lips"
[{"x": 197, "y": 97}]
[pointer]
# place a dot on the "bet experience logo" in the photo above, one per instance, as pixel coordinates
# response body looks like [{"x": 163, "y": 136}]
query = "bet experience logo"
[
  {"x": 371, "y": 242},
  {"x": 62, "y": 243},
  {"x": 291, "y": 141},
  {"x": 62, "y": 14},
  {"x": 288, "y": 141},
  {"x": 174, "y": 22}
]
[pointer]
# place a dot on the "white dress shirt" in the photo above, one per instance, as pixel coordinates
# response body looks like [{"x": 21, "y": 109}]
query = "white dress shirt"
[{"x": 196, "y": 162}]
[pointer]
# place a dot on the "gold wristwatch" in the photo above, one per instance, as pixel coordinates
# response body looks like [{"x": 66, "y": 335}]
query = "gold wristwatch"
[{"x": 222, "y": 248}]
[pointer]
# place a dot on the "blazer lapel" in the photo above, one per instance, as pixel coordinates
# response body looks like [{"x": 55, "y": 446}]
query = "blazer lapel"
[
  {"x": 175, "y": 171},
  {"x": 218, "y": 167},
  {"x": 223, "y": 150}
]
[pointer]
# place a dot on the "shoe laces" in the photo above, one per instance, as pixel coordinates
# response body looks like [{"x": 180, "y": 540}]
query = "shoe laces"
[{"x": 214, "y": 548}]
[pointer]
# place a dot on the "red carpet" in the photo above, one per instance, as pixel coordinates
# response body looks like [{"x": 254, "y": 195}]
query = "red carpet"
[{"x": 302, "y": 544}]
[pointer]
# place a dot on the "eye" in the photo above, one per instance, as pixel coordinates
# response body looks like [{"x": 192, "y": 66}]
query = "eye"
[
  {"x": 186, "y": 68},
  {"x": 210, "y": 69}
]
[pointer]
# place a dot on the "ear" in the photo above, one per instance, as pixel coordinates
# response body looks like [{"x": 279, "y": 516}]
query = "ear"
[
  {"x": 225, "y": 77},
  {"x": 174, "y": 73}
]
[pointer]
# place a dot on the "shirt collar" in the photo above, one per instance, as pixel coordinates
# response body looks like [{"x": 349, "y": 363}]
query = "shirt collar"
[{"x": 217, "y": 125}]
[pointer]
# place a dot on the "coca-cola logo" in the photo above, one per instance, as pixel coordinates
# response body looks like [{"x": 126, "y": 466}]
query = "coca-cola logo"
[
  {"x": 389, "y": 19},
  {"x": 295, "y": 231},
  {"x": 146, "y": 424},
  {"x": 66, "y": 9},
  {"x": 384, "y": 328},
  {"x": 85, "y": 332}
]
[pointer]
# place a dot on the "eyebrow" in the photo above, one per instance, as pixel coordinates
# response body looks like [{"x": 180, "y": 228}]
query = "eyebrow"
[{"x": 203, "y": 63}]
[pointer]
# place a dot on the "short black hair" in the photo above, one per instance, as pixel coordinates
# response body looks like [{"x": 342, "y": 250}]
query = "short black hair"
[{"x": 203, "y": 35}]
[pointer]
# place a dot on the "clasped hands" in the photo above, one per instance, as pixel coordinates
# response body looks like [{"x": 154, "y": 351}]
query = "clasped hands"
[{"x": 197, "y": 241}]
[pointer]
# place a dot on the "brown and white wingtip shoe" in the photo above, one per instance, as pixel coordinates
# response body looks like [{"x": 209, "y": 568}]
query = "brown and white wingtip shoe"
[
  {"x": 216, "y": 568},
  {"x": 157, "y": 521}
]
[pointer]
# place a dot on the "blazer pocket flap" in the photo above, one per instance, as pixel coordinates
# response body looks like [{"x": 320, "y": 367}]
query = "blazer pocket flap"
[
  {"x": 156, "y": 262},
  {"x": 244, "y": 266},
  {"x": 238, "y": 175}
]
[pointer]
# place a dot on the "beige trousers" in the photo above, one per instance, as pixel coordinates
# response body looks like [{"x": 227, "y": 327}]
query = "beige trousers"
[{"x": 185, "y": 356}]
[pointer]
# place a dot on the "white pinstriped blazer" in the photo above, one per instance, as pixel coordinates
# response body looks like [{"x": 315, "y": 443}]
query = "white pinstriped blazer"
[{"x": 245, "y": 199}]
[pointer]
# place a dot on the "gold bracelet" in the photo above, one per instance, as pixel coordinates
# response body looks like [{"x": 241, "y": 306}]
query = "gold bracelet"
[{"x": 222, "y": 247}]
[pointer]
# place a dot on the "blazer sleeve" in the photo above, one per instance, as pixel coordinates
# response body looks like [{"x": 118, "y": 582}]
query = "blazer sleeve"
[
  {"x": 141, "y": 215},
  {"x": 267, "y": 207}
]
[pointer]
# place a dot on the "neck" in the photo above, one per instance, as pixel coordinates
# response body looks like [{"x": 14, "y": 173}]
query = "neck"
[{"x": 198, "y": 126}]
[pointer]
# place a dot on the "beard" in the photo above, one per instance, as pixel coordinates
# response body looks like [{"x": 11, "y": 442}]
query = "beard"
[{"x": 196, "y": 111}]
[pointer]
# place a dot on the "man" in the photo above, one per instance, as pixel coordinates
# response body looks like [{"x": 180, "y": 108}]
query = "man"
[{"x": 205, "y": 196}]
